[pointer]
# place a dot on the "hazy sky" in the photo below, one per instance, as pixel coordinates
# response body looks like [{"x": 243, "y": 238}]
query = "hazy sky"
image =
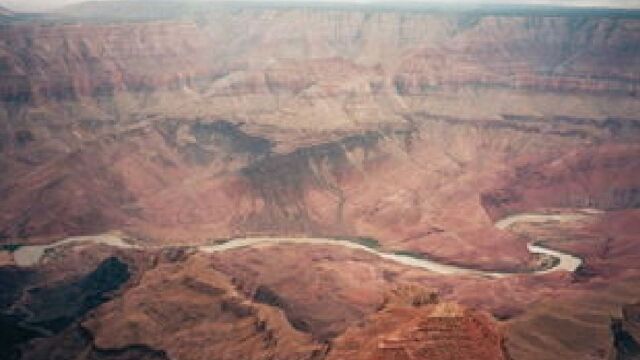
[{"x": 39, "y": 5}]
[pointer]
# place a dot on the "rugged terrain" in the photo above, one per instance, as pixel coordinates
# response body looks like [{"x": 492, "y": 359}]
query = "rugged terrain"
[{"x": 412, "y": 131}]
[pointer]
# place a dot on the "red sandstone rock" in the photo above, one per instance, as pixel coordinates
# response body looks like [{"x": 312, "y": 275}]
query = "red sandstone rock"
[{"x": 442, "y": 331}]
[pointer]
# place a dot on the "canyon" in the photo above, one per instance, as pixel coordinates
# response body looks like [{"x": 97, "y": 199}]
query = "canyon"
[{"x": 499, "y": 141}]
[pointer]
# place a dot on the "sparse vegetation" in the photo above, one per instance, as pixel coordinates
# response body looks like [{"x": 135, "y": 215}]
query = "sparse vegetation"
[
  {"x": 361, "y": 240},
  {"x": 410, "y": 253},
  {"x": 10, "y": 247}
]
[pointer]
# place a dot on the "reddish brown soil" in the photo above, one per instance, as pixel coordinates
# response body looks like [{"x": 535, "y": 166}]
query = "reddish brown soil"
[
  {"x": 418, "y": 131},
  {"x": 443, "y": 331}
]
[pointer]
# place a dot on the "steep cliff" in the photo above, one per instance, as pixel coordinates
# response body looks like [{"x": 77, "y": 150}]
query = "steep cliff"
[
  {"x": 626, "y": 345},
  {"x": 442, "y": 331},
  {"x": 412, "y": 131},
  {"x": 320, "y": 52}
]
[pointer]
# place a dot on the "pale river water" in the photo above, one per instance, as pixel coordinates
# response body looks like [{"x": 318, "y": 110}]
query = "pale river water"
[{"x": 31, "y": 255}]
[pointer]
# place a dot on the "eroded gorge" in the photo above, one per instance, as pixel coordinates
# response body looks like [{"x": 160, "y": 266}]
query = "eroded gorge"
[{"x": 411, "y": 131}]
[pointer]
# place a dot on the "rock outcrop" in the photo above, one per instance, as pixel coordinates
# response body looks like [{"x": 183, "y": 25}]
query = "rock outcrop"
[
  {"x": 323, "y": 53},
  {"x": 412, "y": 132},
  {"x": 626, "y": 334},
  {"x": 577, "y": 180},
  {"x": 191, "y": 311},
  {"x": 440, "y": 331}
]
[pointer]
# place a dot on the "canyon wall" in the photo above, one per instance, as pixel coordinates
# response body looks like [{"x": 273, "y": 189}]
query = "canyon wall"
[
  {"x": 417, "y": 129},
  {"x": 410, "y": 131},
  {"x": 326, "y": 52}
]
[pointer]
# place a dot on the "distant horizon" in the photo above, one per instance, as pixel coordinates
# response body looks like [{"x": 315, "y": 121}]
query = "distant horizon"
[{"x": 48, "y": 5}]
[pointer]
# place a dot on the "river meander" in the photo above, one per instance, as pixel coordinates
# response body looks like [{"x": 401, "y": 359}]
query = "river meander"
[{"x": 31, "y": 255}]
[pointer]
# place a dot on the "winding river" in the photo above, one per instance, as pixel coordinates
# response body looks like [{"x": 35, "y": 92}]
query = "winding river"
[{"x": 31, "y": 255}]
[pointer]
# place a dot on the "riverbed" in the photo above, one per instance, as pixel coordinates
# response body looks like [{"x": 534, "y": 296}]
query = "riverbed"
[{"x": 32, "y": 255}]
